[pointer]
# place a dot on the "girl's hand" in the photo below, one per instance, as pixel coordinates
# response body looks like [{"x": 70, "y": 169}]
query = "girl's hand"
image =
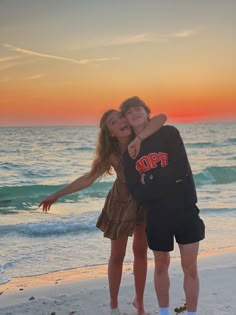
[
  {"x": 134, "y": 148},
  {"x": 47, "y": 202}
]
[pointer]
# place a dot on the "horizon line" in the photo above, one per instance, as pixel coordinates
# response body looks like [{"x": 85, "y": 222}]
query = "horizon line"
[{"x": 97, "y": 125}]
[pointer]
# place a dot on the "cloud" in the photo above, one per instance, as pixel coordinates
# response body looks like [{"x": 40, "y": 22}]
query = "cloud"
[
  {"x": 131, "y": 39},
  {"x": 43, "y": 55},
  {"x": 9, "y": 65},
  {"x": 9, "y": 58},
  {"x": 187, "y": 33},
  {"x": 35, "y": 77},
  {"x": 149, "y": 37}
]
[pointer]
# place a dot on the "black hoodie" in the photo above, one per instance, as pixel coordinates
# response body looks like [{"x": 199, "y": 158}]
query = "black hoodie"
[{"x": 168, "y": 176}]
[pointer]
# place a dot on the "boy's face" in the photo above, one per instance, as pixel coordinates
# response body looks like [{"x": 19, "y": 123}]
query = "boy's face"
[{"x": 136, "y": 116}]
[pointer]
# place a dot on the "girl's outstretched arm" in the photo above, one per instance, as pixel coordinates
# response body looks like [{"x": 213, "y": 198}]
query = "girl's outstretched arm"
[
  {"x": 77, "y": 185},
  {"x": 155, "y": 123}
]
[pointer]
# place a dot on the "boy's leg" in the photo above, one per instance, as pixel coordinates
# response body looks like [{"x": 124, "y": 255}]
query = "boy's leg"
[
  {"x": 189, "y": 255},
  {"x": 190, "y": 231},
  {"x": 161, "y": 242},
  {"x": 161, "y": 278}
]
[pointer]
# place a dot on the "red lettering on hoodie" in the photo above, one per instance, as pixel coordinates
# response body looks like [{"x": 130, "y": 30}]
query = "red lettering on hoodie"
[{"x": 150, "y": 161}]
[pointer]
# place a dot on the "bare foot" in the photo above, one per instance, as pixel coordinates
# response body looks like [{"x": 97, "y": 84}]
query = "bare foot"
[
  {"x": 115, "y": 311},
  {"x": 140, "y": 310}
]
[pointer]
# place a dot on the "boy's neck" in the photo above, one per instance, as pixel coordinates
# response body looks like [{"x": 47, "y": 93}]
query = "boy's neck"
[{"x": 138, "y": 129}]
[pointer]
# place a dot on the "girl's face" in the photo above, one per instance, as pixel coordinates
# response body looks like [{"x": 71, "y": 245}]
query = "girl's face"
[
  {"x": 136, "y": 116},
  {"x": 118, "y": 125}
]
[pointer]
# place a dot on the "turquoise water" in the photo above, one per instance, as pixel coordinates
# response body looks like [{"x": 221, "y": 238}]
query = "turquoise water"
[{"x": 36, "y": 161}]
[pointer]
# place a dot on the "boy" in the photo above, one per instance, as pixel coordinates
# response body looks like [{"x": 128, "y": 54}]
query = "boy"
[{"x": 160, "y": 178}]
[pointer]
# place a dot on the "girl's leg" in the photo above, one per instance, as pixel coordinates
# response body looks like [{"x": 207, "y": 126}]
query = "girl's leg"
[
  {"x": 118, "y": 248},
  {"x": 140, "y": 266}
]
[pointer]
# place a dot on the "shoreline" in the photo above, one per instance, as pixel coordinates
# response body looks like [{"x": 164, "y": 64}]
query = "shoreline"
[
  {"x": 84, "y": 291},
  {"x": 85, "y": 273}
]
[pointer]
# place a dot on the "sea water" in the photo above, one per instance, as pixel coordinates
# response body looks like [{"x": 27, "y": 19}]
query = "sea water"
[{"x": 36, "y": 161}]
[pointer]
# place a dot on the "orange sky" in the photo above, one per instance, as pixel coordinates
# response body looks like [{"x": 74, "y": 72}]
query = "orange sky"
[{"x": 179, "y": 58}]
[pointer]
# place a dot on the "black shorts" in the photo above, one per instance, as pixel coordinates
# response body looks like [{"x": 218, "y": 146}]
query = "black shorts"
[{"x": 182, "y": 223}]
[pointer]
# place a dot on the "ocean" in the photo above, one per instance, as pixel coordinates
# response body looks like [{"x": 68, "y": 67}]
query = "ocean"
[{"x": 36, "y": 161}]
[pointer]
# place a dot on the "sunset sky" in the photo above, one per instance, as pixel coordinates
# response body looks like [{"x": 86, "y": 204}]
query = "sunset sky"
[{"x": 66, "y": 61}]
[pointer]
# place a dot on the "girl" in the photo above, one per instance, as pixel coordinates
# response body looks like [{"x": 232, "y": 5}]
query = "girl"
[{"x": 121, "y": 216}]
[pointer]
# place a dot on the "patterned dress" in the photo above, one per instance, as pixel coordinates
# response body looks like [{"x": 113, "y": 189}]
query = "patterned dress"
[{"x": 121, "y": 213}]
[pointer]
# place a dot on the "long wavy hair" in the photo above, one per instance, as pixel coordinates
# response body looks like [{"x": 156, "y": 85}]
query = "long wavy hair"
[{"x": 106, "y": 146}]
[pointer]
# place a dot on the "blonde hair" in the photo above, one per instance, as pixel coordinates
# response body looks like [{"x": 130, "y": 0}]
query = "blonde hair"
[{"x": 106, "y": 146}]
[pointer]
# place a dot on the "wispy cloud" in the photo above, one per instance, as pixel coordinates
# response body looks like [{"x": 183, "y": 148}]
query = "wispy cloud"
[
  {"x": 8, "y": 58},
  {"x": 35, "y": 77},
  {"x": 150, "y": 37},
  {"x": 12, "y": 61},
  {"x": 43, "y": 55},
  {"x": 13, "y": 64},
  {"x": 132, "y": 39},
  {"x": 29, "y": 78},
  {"x": 9, "y": 65},
  {"x": 188, "y": 33}
]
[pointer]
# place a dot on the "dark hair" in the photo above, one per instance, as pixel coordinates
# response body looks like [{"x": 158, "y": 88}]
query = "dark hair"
[{"x": 134, "y": 101}]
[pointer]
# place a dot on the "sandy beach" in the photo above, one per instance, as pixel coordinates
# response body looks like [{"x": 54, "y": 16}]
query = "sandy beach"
[{"x": 84, "y": 291}]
